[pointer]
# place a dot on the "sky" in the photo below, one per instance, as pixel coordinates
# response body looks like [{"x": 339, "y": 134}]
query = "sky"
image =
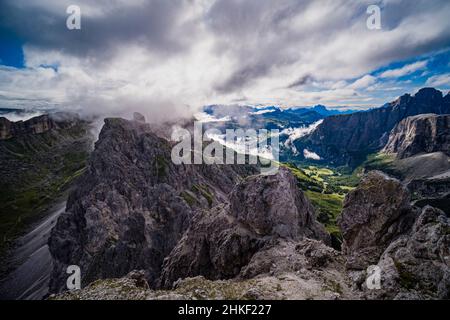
[{"x": 167, "y": 58}]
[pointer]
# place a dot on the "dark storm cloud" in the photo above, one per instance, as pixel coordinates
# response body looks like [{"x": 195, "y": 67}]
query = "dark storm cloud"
[
  {"x": 260, "y": 34},
  {"x": 242, "y": 29},
  {"x": 242, "y": 77},
  {"x": 304, "y": 80},
  {"x": 152, "y": 24}
]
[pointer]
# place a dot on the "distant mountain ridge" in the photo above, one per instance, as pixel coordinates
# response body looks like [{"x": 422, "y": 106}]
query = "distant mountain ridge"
[
  {"x": 291, "y": 122},
  {"x": 347, "y": 139},
  {"x": 325, "y": 111},
  {"x": 322, "y": 110},
  {"x": 10, "y": 129}
]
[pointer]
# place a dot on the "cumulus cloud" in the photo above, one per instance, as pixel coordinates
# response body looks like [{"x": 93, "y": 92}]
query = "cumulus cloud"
[
  {"x": 405, "y": 70},
  {"x": 169, "y": 58},
  {"x": 363, "y": 82},
  {"x": 439, "y": 80},
  {"x": 296, "y": 133},
  {"x": 311, "y": 155}
]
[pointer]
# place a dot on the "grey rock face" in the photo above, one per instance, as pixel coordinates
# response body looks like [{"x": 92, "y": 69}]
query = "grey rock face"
[
  {"x": 422, "y": 146},
  {"x": 424, "y": 133},
  {"x": 373, "y": 215},
  {"x": 273, "y": 260},
  {"x": 223, "y": 240},
  {"x": 417, "y": 264},
  {"x": 293, "y": 277},
  {"x": 132, "y": 205}
]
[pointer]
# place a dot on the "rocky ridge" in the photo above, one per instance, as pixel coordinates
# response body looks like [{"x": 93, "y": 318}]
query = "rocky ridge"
[
  {"x": 222, "y": 241},
  {"x": 373, "y": 215}
]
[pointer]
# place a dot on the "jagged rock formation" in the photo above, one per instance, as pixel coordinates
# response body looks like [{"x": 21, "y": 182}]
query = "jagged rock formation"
[
  {"x": 132, "y": 205},
  {"x": 415, "y": 265},
  {"x": 425, "y": 133},
  {"x": 434, "y": 191},
  {"x": 138, "y": 117},
  {"x": 222, "y": 241},
  {"x": 347, "y": 139}
]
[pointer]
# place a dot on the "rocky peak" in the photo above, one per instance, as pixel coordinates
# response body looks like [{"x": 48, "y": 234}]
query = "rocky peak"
[
  {"x": 416, "y": 265},
  {"x": 447, "y": 98},
  {"x": 319, "y": 108},
  {"x": 428, "y": 94},
  {"x": 138, "y": 117},
  {"x": 409, "y": 245},
  {"x": 402, "y": 100}
]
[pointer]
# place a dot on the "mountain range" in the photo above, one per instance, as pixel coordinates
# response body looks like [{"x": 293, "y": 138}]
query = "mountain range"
[
  {"x": 348, "y": 139},
  {"x": 141, "y": 227},
  {"x": 189, "y": 227},
  {"x": 273, "y": 117}
]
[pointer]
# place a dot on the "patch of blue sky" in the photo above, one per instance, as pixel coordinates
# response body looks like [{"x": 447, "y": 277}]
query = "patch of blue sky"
[{"x": 11, "y": 50}]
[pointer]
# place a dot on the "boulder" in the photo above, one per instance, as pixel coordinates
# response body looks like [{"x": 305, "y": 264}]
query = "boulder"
[{"x": 376, "y": 212}]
